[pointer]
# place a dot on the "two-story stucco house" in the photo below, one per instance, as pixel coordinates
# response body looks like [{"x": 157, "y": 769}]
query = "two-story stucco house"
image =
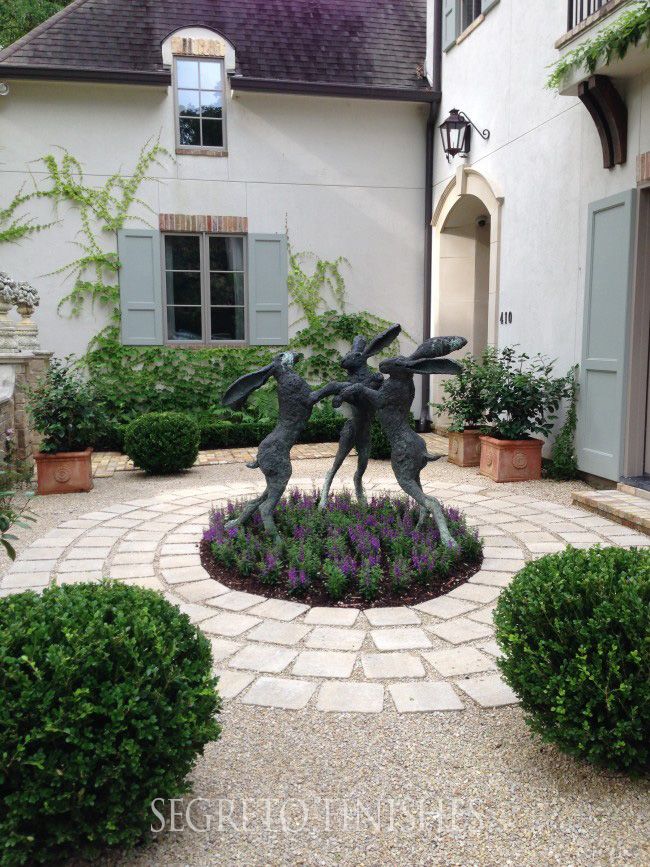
[
  {"x": 304, "y": 114},
  {"x": 540, "y": 235},
  {"x": 321, "y": 115}
]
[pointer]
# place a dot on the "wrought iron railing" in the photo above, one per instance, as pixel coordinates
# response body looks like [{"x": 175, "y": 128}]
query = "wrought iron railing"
[{"x": 579, "y": 10}]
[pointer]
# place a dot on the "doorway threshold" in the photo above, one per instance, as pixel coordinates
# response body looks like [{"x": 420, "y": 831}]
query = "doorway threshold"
[{"x": 639, "y": 483}]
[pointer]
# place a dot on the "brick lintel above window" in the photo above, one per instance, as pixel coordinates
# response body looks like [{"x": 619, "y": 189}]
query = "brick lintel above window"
[
  {"x": 203, "y": 223},
  {"x": 185, "y": 46}
]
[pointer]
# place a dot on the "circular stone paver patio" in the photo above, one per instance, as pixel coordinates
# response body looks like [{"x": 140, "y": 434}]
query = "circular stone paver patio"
[{"x": 436, "y": 656}]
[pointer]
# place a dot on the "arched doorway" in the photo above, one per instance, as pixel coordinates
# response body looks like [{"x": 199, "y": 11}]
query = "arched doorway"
[{"x": 465, "y": 271}]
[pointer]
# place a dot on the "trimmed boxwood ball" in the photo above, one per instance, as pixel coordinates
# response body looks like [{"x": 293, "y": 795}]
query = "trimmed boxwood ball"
[
  {"x": 163, "y": 442},
  {"x": 108, "y": 698},
  {"x": 574, "y": 629}
]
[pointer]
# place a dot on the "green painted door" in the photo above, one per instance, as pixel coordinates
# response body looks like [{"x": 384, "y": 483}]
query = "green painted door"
[{"x": 605, "y": 339}]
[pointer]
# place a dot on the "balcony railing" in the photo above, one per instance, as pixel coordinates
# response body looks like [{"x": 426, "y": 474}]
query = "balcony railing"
[{"x": 579, "y": 10}]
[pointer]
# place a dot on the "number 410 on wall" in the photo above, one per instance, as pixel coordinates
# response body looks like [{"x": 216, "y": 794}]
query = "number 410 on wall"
[{"x": 506, "y": 317}]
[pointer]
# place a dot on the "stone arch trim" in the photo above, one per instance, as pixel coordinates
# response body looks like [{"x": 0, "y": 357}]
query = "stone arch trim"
[{"x": 470, "y": 182}]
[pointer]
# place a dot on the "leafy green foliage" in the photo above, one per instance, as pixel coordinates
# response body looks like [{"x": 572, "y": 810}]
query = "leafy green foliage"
[
  {"x": 629, "y": 28},
  {"x": 13, "y": 225},
  {"x": 348, "y": 549},
  {"x": 564, "y": 461},
  {"x": 20, "y": 16},
  {"x": 163, "y": 442},
  {"x": 466, "y": 394},
  {"x": 64, "y": 409},
  {"x": 14, "y": 499},
  {"x": 575, "y": 633},
  {"x": 107, "y": 699},
  {"x": 521, "y": 395}
]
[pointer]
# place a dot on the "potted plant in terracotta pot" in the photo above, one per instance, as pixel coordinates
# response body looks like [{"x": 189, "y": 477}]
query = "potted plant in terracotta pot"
[
  {"x": 464, "y": 403},
  {"x": 64, "y": 411},
  {"x": 522, "y": 399}
]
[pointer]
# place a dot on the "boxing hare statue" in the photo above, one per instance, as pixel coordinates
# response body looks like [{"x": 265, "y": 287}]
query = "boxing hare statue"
[{"x": 392, "y": 402}]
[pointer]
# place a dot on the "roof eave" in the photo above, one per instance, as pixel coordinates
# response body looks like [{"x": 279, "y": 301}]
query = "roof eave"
[
  {"x": 328, "y": 88},
  {"x": 110, "y": 76}
]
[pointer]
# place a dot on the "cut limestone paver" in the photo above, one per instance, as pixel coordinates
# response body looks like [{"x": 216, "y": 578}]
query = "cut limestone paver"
[
  {"x": 280, "y": 692},
  {"x": 490, "y": 647},
  {"x": 459, "y": 660},
  {"x": 480, "y": 593},
  {"x": 335, "y": 638},
  {"x": 332, "y": 616},
  {"x": 324, "y": 663},
  {"x": 199, "y": 591},
  {"x": 391, "y": 616},
  {"x": 485, "y": 615},
  {"x": 424, "y": 697},
  {"x": 222, "y": 648},
  {"x": 235, "y": 600},
  {"x": 488, "y": 690},
  {"x": 278, "y": 632},
  {"x": 268, "y": 658},
  {"x": 400, "y": 639},
  {"x": 231, "y": 683},
  {"x": 491, "y": 579},
  {"x": 387, "y": 666},
  {"x": 460, "y": 630},
  {"x": 446, "y": 607},
  {"x": 351, "y": 697},
  {"x": 229, "y": 624},
  {"x": 279, "y": 609}
]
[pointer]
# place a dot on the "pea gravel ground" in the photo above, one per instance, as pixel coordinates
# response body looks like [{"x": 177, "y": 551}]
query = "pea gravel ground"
[{"x": 308, "y": 788}]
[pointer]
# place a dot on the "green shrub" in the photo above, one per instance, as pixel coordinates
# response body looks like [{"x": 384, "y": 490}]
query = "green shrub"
[
  {"x": 465, "y": 395},
  {"x": 564, "y": 460},
  {"x": 64, "y": 409},
  {"x": 163, "y": 442},
  {"x": 107, "y": 699},
  {"x": 575, "y": 632}
]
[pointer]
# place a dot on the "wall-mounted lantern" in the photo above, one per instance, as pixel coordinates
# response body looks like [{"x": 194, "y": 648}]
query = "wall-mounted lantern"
[{"x": 456, "y": 134}]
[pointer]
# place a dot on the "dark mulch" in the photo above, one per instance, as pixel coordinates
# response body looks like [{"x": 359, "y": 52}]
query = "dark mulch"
[{"x": 318, "y": 596}]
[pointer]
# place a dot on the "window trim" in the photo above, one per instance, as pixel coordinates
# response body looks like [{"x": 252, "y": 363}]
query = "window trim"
[
  {"x": 205, "y": 343},
  {"x": 200, "y": 150}
]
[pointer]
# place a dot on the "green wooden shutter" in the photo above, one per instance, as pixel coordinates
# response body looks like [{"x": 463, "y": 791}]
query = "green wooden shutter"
[
  {"x": 268, "y": 295},
  {"x": 450, "y": 17},
  {"x": 140, "y": 287},
  {"x": 488, "y": 4},
  {"x": 608, "y": 285}
]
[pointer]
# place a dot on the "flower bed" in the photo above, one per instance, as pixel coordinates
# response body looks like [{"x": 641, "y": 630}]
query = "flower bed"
[{"x": 348, "y": 554}]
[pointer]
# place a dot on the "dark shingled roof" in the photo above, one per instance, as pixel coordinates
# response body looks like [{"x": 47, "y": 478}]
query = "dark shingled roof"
[{"x": 357, "y": 43}]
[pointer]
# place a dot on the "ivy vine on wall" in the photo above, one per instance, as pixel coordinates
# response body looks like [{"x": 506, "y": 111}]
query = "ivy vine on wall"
[{"x": 630, "y": 28}]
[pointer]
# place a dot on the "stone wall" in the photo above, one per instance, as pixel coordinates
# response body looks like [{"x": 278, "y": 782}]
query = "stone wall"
[{"x": 22, "y": 370}]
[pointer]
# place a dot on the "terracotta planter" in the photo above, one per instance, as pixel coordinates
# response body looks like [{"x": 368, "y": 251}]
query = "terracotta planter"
[
  {"x": 511, "y": 460},
  {"x": 64, "y": 472},
  {"x": 465, "y": 447}
]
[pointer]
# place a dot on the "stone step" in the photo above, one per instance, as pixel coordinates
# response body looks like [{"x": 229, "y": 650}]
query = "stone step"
[{"x": 622, "y": 506}]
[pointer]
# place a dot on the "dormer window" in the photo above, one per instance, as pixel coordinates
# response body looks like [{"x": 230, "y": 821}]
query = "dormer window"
[{"x": 200, "y": 105}]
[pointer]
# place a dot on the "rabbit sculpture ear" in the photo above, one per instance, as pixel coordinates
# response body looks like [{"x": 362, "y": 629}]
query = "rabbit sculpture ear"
[
  {"x": 433, "y": 365},
  {"x": 434, "y": 347},
  {"x": 236, "y": 395},
  {"x": 359, "y": 343},
  {"x": 381, "y": 341}
]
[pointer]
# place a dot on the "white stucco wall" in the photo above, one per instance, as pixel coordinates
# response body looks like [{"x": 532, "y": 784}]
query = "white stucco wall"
[
  {"x": 544, "y": 157},
  {"x": 346, "y": 175}
]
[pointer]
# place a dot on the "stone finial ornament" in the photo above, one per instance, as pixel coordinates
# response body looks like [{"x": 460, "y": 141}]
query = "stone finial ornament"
[
  {"x": 296, "y": 401},
  {"x": 356, "y": 430},
  {"x": 393, "y": 402}
]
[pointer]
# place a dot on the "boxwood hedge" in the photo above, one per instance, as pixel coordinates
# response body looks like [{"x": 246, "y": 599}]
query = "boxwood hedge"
[
  {"x": 575, "y": 633},
  {"x": 107, "y": 699},
  {"x": 163, "y": 442}
]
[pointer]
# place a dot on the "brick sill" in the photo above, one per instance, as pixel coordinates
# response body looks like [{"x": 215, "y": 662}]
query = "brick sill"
[
  {"x": 588, "y": 23},
  {"x": 201, "y": 152}
]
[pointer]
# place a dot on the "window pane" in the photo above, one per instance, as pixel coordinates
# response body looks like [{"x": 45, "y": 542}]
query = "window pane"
[
  {"x": 184, "y": 323},
  {"x": 189, "y": 131},
  {"x": 188, "y": 102},
  {"x": 183, "y": 288},
  {"x": 226, "y": 288},
  {"x": 226, "y": 254},
  {"x": 212, "y": 134},
  {"x": 210, "y": 75},
  {"x": 227, "y": 323},
  {"x": 211, "y": 104},
  {"x": 187, "y": 73},
  {"x": 182, "y": 253}
]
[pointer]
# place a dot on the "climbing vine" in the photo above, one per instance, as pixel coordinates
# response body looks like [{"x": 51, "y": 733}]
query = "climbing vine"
[
  {"x": 630, "y": 28},
  {"x": 13, "y": 225}
]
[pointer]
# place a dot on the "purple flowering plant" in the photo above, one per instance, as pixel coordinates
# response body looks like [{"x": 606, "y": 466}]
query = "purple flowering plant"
[{"x": 348, "y": 549}]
